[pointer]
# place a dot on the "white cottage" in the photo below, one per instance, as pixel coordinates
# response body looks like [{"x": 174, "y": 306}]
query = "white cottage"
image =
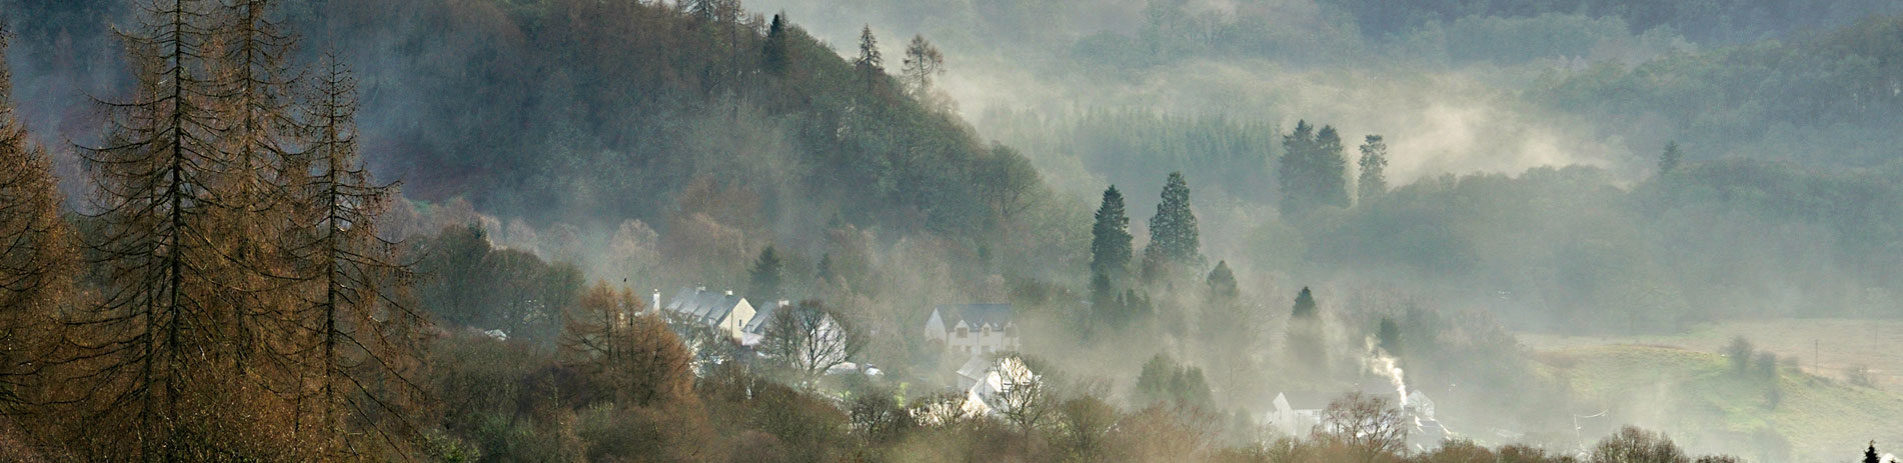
[
  {"x": 1295, "y": 416},
  {"x": 723, "y": 311},
  {"x": 973, "y": 329}
]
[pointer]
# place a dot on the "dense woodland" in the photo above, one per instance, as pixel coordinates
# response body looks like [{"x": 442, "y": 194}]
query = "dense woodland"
[{"x": 428, "y": 230}]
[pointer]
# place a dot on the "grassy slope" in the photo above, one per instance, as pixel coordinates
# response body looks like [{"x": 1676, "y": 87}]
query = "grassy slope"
[{"x": 1699, "y": 400}]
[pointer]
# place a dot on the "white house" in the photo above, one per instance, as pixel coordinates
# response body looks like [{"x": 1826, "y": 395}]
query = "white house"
[
  {"x": 973, "y": 329},
  {"x": 725, "y": 312},
  {"x": 988, "y": 394},
  {"x": 1295, "y": 417}
]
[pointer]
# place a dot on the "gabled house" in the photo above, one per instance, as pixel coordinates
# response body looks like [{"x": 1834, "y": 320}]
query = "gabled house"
[
  {"x": 1296, "y": 416},
  {"x": 990, "y": 393},
  {"x": 973, "y": 329},
  {"x": 755, "y": 330},
  {"x": 723, "y": 311}
]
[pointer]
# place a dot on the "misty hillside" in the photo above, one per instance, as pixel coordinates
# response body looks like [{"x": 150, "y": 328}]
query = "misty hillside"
[{"x": 1267, "y": 231}]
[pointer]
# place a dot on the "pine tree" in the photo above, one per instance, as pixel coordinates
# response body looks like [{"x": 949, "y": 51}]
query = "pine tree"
[
  {"x": 1374, "y": 163},
  {"x": 1110, "y": 238},
  {"x": 1222, "y": 285},
  {"x": 765, "y": 274},
  {"x": 775, "y": 50},
  {"x": 869, "y": 64},
  {"x": 1870, "y": 454},
  {"x": 37, "y": 260},
  {"x": 1304, "y": 305},
  {"x": 1292, "y": 172},
  {"x": 1174, "y": 240},
  {"x": 1669, "y": 160},
  {"x": 361, "y": 357},
  {"x": 1331, "y": 169}
]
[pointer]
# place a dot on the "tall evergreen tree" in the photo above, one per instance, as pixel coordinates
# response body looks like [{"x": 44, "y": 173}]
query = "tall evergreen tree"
[
  {"x": 1870, "y": 454},
  {"x": 1291, "y": 173},
  {"x": 1304, "y": 305},
  {"x": 1669, "y": 160},
  {"x": 765, "y": 274},
  {"x": 1374, "y": 164},
  {"x": 1222, "y": 285},
  {"x": 1174, "y": 239},
  {"x": 775, "y": 51},
  {"x": 1331, "y": 169},
  {"x": 361, "y": 358},
  {"x": 870, "y": 65},
  {"x": 1110, "y": 247}
]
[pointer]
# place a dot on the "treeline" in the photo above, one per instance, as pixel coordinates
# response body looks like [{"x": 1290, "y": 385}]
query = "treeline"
[{"x": 1832, "y": 90}]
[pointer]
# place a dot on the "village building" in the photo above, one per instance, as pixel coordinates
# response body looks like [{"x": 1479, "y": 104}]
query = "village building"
[
  {"x": 755, "y": 330},
  {"x": 726, "y": 313},
  {"x": 973, "y": 329}
]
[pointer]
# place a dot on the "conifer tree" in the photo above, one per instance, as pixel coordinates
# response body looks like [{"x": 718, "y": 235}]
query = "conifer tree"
[
  {"x": 154, "y": 347},
  {"x": 37, "y": 260},
  {"x": 1373, "y": 181},
  {"x": 249, "y": 66},
  {"x": 1222, "y": 285},
  {"x": 1174, "y": 239},
  {"x": 1292, "y": 172},
  {"x": 1870, "y": 454},
  {"x": 1304, "y": 305},
  {"x": 1110, "y": 237},
  {"x": 1330, "y": 169},
  {"x": 765, "y": 274},
  {"x": 870, "y": 65},
  {"x": 774, "y": 51},
  {"x": 1669, "y": 160},
  {"x": 362, "y": 353}
]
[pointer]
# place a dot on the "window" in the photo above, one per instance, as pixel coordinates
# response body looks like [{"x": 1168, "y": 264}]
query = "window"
[{"x": 962, "y": 331}]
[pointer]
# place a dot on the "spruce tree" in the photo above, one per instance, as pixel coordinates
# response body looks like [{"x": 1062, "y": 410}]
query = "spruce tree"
[
  {"x": 1331, "y": 169},
  {"x": 774, "y": 51},
  {"x": 1373, "y": 181},
  {"x": 870, "y": 65},
  {"x": 1870, "y": 454},
  {"x": 1174, "y": 240},
  {"x": 765, "y": 275},
  {"x": 1222, "y": 285},
  {"x": 1304, "y": 305},
  {"x": 1110, "y": 238},
  {"x": 1292, "y": 172},
  {"x": 1669, "y": 160}
]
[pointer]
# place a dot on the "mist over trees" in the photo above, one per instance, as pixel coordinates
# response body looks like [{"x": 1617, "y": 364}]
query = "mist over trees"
[{"x": 225, "y": 267}]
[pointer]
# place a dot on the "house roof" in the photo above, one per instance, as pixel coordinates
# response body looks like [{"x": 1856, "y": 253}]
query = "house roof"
[
  {"x": 761, "y": 316},
  {"x": 975, "y": 367},
  {"x": 976, "y": 315},
  {"x": 702, "y": 305}
]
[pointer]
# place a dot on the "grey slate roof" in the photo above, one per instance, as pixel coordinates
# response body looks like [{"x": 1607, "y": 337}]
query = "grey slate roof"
[
  {"x": 703, "y": 306},
  {"x": 761, "y": 316},
  {"x": 976, "y": 315}
]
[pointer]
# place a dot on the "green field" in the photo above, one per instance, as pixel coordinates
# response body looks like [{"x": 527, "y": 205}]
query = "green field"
[{"x": 1682, "y": 385}]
